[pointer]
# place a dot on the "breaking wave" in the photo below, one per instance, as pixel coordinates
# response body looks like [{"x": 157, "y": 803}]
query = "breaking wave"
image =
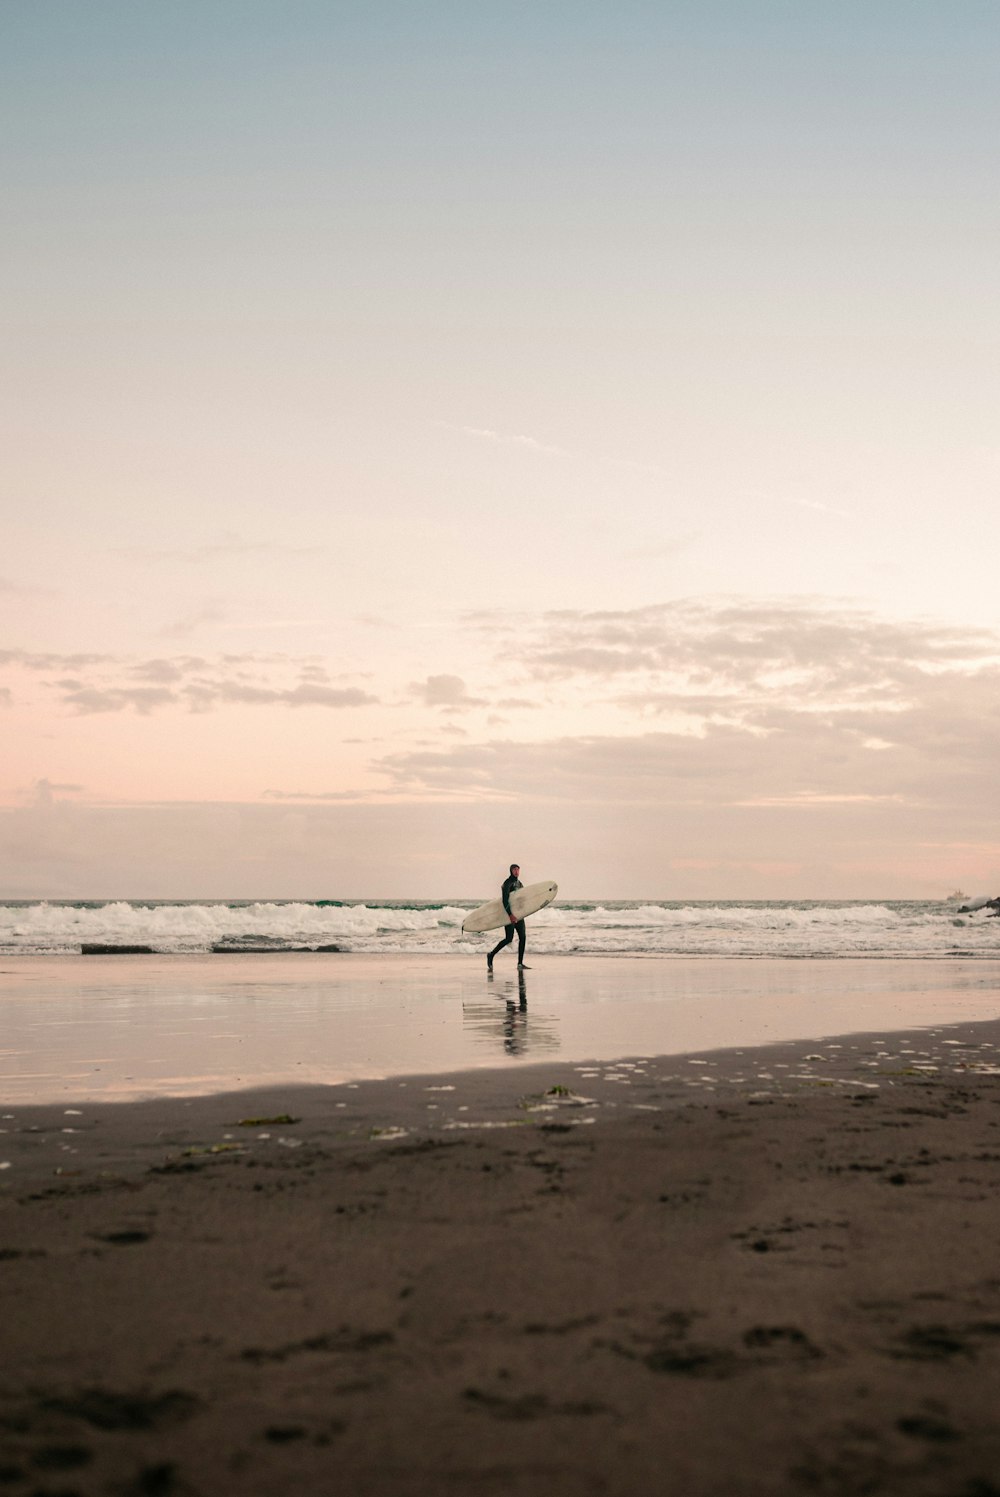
[{"x": 654, "y": 928}]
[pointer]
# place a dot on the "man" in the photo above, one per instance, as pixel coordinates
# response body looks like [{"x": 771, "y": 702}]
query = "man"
[{"x": 507, "y": 889}]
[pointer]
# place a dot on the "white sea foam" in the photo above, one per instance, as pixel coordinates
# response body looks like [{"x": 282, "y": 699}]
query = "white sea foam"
[{"x": 804, "y": 929}]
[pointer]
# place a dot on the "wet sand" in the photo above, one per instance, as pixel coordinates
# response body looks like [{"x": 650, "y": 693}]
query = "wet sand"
[
  {"x": 768, "y": 1272},
  {"x": 128, "y": 1027}
]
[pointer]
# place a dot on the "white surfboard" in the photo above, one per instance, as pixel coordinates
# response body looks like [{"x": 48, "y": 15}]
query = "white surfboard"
[
  {"x": 974, "y": 904},
  {"x": 523, "y": 902}
]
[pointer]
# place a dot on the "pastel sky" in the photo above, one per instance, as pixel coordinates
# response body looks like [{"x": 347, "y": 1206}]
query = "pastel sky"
[{"x": 442, "y": 432}]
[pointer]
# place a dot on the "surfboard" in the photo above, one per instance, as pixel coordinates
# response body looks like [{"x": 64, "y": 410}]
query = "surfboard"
[
  {"x": 974, "y": 904},
  {"x": 523, "y": 902}
]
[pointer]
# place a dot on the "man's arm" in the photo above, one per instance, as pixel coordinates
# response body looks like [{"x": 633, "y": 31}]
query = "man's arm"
[{"x": 509, "y": 885}]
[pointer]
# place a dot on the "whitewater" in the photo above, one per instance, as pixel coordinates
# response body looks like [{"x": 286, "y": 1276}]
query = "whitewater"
[{"x": 800, "y": 929}]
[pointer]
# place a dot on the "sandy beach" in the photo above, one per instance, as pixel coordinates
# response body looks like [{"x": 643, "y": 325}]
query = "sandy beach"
[
  {"x": 124, "y": 1028},
  {"x": 449, "y": 450},
  {"x": 764, "y": 1271}
]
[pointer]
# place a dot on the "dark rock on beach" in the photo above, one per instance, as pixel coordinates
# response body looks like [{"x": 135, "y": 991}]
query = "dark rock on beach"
[
  {"x": 221, "y": 949},
  {"x": 102, "y": 948}
]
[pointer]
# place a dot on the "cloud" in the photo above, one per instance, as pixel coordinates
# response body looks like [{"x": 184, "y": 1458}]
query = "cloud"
[
  {"x": 787, "y": 726},
  {"x": 191, "y": 622},
  {"x": 507, "y": 439},
  {"x": 808, "y": 798},
  {"x": 316, "y": 675},
  {"x": 723, "y": 766},
  {"x": 164, "y": 672},
  {"x": 313, "y": 795},
  {"x": 103, "y": 684},
  {"x": 800, "y": 649},
  {"x": 447, "y": 692},
  {"x": 793, "y": 705},
  {"x": 91, "y": 699},
  {"x": 549, "y": 449},
  {"x": 303, "y": 695},
  {"x": 259, "y": 623},
  {"x": 819, "y": 507},
  {"x": 229, "y": 544},
  {"x": 34, "y": 660}
]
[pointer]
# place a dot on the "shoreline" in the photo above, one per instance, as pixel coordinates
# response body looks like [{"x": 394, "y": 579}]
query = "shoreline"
[
  {"x": 781, "y": 1280},
  {"x": 553, "y": 1094},
  {"x": 128, "y": 1027},
  {"x": 798, "y": 958}
]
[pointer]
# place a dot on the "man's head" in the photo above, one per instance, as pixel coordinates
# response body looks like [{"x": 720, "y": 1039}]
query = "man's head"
[{"x": 515, "y": 869}]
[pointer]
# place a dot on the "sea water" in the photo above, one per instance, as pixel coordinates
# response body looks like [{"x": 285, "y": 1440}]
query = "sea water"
[{"x": 722, "y": 928}]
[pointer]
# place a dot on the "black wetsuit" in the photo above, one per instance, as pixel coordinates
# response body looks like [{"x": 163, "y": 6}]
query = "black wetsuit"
[{"x": 509, "y": 886}]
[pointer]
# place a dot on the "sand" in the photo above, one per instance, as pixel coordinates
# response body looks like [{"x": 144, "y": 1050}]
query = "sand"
[
  {"x": 768, "y": 1272},
  {"x": 126, "y": 1027}
]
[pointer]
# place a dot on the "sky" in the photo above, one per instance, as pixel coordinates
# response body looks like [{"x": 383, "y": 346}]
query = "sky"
[{"x": 437, "y": 433}]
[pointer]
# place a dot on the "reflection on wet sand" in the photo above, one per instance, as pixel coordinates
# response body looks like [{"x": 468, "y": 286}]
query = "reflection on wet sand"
[
  {"x": 120, "y": 1028},
  {"x": 487, "y": 1022}
]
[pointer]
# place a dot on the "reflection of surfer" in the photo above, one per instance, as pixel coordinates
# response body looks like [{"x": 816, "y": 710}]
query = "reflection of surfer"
[
  {"x": 515, "y": 1021},
  {"x": 510, "y": 886},
  {"x": 515, "y": 1024},
  {"x": 504, "y": 1020}
]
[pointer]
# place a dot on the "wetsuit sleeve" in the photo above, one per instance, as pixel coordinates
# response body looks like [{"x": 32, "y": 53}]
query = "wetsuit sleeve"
[{"x": 509, "y": 885}]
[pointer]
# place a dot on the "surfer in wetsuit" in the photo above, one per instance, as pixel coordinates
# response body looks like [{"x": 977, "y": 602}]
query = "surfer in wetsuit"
[{"x": 508, "y": 887}]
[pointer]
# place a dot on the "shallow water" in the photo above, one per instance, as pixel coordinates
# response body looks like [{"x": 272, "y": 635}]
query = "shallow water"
[{"x": 127, "y": 1027}]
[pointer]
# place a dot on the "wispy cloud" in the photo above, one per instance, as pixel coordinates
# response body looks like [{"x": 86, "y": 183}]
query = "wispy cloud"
[
  {"x": 261, "y": 623},
  {"x": 507, "y": 439},
  {"x": 313, "y": 795},
  {"x": 804, "y": 799},
  {"x": 226, "y": 546},
  {"x": 550, "y": 449},
  {"x": 799, "y": 501},
  {"x": 818, "y": 505},
  {"x": 90, "y": 684}
]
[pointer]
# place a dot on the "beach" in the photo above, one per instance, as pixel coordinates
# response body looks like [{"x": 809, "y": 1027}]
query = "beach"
[
  {"x": 127, "y": 1027},
  {"x": 760, "y": 1269},
  {"x": 463, "y": 453}
]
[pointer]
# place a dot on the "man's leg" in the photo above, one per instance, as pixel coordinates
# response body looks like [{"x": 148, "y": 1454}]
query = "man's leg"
[
  {"x": 508, "y": 936},
  {"x": 520, "y": 941}
]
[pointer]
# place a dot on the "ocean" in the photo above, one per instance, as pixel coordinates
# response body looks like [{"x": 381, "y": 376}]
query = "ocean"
[{"x": 656, "y": 928}]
